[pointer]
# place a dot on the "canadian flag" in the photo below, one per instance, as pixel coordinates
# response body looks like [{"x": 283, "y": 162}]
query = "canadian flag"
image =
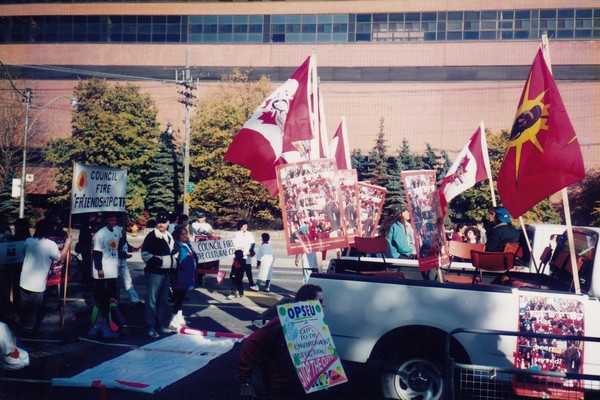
[
  {"x": 279, "y": 130},
  {"x": 471, "y": 166},
  {"x": 338, "y": 148}
]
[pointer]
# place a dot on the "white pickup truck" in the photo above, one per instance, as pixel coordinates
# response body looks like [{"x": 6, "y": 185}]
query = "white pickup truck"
[{"x": 400, "y": 325}]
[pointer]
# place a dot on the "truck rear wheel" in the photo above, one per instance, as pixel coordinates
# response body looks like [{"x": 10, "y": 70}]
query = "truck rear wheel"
[{"x": 415, "y": 378}]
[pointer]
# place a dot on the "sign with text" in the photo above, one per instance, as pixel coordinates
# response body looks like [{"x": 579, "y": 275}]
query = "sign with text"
[
  {"x": 310, "y": 344},
  {"x": 212, "y": 250},
  {"x": 98, "y": 189}
]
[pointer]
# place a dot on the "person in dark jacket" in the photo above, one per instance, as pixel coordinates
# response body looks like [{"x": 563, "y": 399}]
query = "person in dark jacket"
[
  {"x": 503, "y": 232},
  {"x": 158, "y": 252},
  {"x": 267, "y": 349}
]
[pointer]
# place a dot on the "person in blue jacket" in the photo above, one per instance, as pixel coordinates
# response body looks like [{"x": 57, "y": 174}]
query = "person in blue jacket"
[{"x": 399, "y": 234}]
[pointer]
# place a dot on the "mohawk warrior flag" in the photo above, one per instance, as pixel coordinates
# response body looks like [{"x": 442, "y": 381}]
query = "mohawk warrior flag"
[
  {"x": 339, "y": 147},
  {"x": 468, "y": 169},
  {"x": 278, "y": 131},
  {"x": 543, "y": 154}
]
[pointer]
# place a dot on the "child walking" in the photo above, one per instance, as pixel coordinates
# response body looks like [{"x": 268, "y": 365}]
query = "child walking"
[
  {"x": 237, "y": 275},
  {"x": 265, "y": 259}
]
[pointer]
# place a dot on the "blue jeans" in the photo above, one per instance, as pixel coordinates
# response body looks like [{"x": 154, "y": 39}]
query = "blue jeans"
[{"x": 157, "y": 296}]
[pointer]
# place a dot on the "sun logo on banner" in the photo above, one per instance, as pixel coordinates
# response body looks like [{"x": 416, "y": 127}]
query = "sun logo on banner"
[
  {"x": 530, "y": 118},
  {"x": 81, "y": 181}
]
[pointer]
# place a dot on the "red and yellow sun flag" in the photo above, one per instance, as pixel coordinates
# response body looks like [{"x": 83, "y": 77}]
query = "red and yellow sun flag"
[{"x": 543, "y": 154}]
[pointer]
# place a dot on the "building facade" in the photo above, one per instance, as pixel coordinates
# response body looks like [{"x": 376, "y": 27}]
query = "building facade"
[{"x": 431, "y": 69}]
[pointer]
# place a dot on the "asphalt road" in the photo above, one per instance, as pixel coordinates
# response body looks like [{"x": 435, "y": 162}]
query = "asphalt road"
[{"x": 57, "y": 352}]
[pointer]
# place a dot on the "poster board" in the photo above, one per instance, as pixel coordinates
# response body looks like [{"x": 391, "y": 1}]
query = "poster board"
[
  {"x": 348, "y": 179},
  {"x": 312, "y": 207},
  {"x": 426, "y": 218},
  {"x": 311, "y": 346},
  {"x": 372, "y": 198},
  {"x": 551, "y": 314}
]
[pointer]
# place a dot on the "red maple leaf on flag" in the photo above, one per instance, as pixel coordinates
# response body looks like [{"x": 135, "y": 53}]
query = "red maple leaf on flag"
[
  {"x": 461, "y": 170},
  {"x": 268, "y": 117}
]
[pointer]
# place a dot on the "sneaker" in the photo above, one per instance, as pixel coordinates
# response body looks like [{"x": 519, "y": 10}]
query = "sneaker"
[
  {"x": 152, "y": 334},
  {"x": 17, "y": 359},
  {"x": 232, "y": 296},
  {"x": 259, "y": 323},
  {"x": 267, "y": 290},
  {"x": 180, "y": 319},
  {"x": 254, "y": 287},
  {"x": 173, "y": 327}
]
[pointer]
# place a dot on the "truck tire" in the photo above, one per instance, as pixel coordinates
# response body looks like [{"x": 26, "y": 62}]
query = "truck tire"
[{"x": 412, "y": 378}]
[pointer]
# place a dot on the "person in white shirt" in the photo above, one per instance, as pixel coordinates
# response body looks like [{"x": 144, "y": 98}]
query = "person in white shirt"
[
  {"x": 244, "y": 240},
  {"x": 265, "y": 257},
  {"x": 40, "y": 252},
  {"x": 200, "y": 226},
  {"x": 106, "y": 265}
]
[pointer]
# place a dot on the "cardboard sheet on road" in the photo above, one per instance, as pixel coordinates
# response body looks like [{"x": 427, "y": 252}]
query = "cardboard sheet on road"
[{"x": 143, "y": 369}]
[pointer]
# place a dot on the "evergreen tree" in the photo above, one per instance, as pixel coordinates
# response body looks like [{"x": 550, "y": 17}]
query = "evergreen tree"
[
  {"x": 113, "y": 126},
  {"x": 165, "y": 180},
  {"x": 377, "y": 172},
  {"x": 406, "y": 160},
  {"x": 359, "y": 162}
]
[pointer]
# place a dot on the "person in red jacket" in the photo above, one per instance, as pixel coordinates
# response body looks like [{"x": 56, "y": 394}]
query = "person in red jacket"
[{"x": 266, "y": 349}]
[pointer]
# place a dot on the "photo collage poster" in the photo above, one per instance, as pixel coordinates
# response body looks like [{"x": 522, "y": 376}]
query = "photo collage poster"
[
  {"x": 312, "y": 208},
  {"x": 551, "y": 315},
  {"x": 372, "y": 198},
  {"x": 426, "y": 218},
  {"x": 348, "y": 179}
]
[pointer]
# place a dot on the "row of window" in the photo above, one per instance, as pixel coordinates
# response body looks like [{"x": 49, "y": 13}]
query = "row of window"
[{"x": 337, "y": 28}]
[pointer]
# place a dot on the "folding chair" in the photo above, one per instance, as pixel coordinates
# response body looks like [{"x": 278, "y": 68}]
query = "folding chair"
[
  {"x": 511, "y": 248},
  {"x": 544, "y": 260},
  {"x": 490, "y": 261},
  {"x": 461, "y": 250},
  {"x": 375, "y": 245}
]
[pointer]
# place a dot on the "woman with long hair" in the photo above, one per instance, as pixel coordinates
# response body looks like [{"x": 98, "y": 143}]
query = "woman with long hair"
[{"x": 399, "y": 234}]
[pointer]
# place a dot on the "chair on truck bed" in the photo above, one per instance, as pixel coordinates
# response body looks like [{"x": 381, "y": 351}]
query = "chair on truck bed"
[
  {"x": 375, "y": 245},
  {"x": 461, "y": 250},
  {"x": 491, "y": 261}
]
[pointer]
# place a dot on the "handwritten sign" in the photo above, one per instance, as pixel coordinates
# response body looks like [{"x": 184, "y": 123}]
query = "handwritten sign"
[
  {"x": 311, "y": 346},
  {"x": 211, "y": 250},
  {"x": 98, "y": 189}
]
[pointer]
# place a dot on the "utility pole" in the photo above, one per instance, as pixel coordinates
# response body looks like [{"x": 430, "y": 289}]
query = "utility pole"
[
  {"x": 27, "y": 96},
  {"x": 188, "y": 101}
]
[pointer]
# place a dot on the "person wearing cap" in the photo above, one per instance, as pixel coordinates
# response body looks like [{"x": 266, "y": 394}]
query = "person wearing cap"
[
  {"x": 503, "y": 232},
  {"x": 158, "y": 252},
  {"x": 200, "y": 226}
]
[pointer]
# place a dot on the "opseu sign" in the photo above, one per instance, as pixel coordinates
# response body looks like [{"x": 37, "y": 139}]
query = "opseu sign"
[{"x": 98, "y": 189}]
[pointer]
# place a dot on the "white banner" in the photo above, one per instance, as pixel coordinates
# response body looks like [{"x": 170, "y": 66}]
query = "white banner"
[
  {"x": 98, "y": 189},
  {"x": 212, "y": 250},
  {"x": 150, "y": 368}
]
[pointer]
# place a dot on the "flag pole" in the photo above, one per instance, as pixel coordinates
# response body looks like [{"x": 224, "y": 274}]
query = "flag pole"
[
  {"x": 486, "y": 162},
  {"x": 68, "y": 261},
  {"x": 565, "y": 196},
  {"x": 323, "y": 137},
  {"x": 345, "y": 142},
  {"x": 314, "y": 123}
]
